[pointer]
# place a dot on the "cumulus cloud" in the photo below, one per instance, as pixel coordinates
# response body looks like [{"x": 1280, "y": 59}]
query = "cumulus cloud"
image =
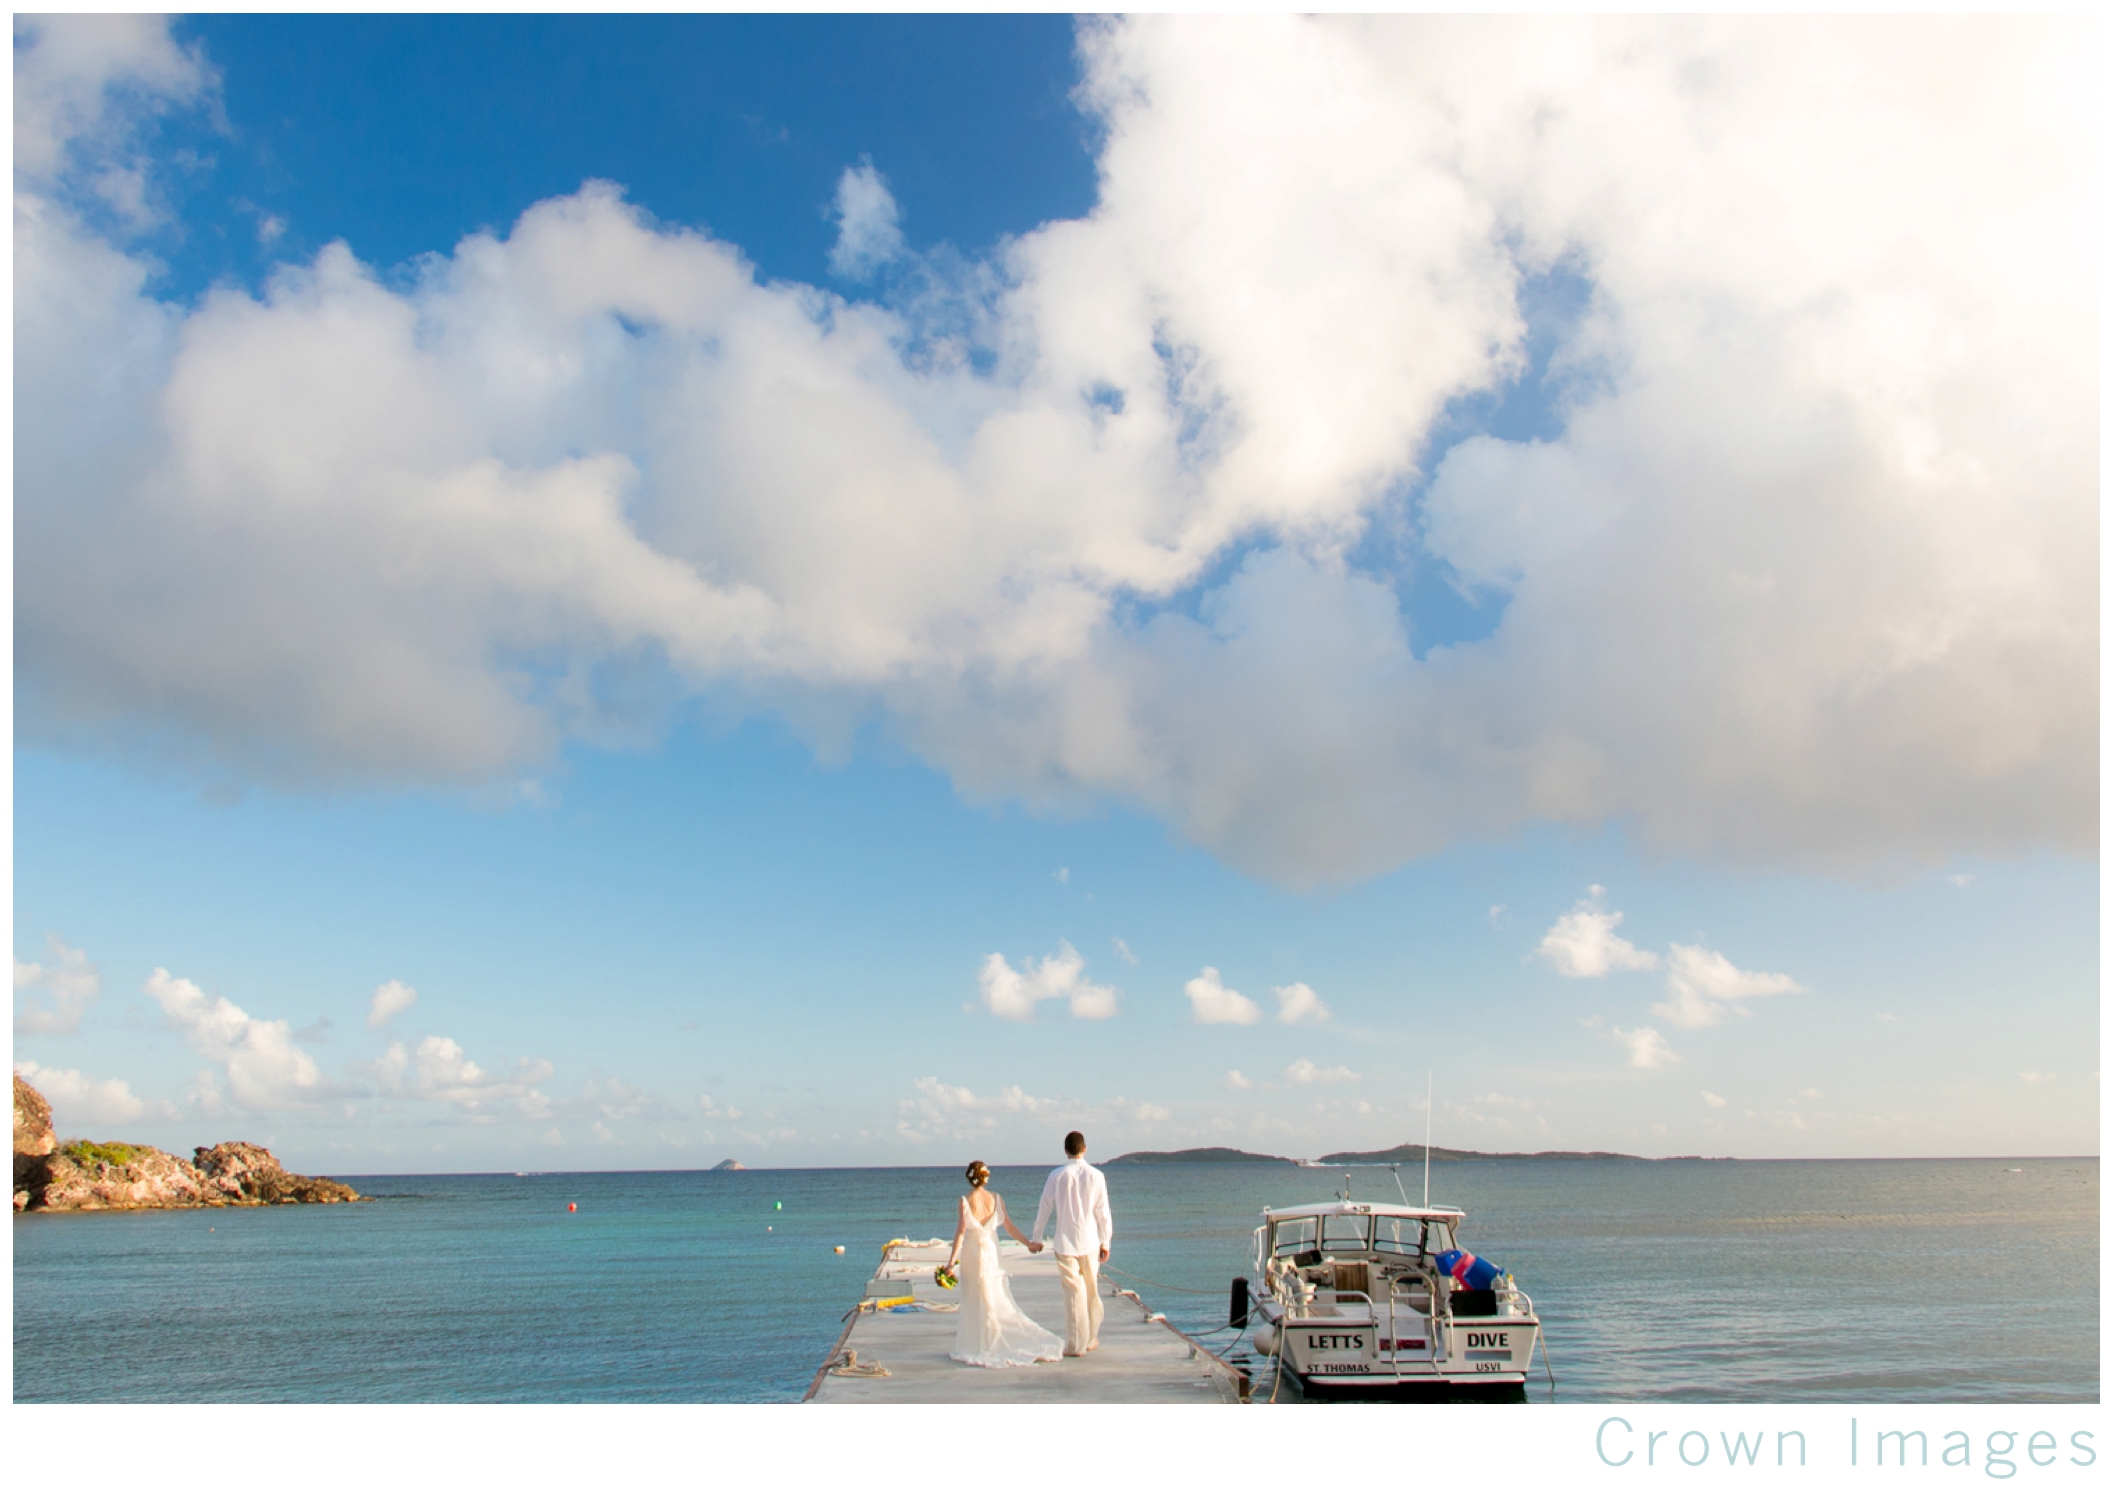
[
  {"x": 1306, "y": 1073},
  {"x": 1583, "y": 944},
  {"x": 942, "y": 1111},
  {"x": 390, "y": 999},
  {"x": 437, "y": 1069},
  {"x": 1648, "y": 1050},
  {"x": 1802, "y": 570},
  {"x": 868, "y": 224},
  {"x": 1700, "y": 982},
  {"x": 1123, "y": 951},
  {"x": 1212, "y": 1002},
  {"x": 84, "y": 1100},
  {"x": 1712, "y": 1099},
  {"x": 69, "y": 984},
  {"x": 1013, "y": 994},
  {"x": 262, "y": 1066},
  {"x": 720, "y": 1111},
  {"x": 1237, "y": 1081},
  {"x": 86, "y": 89},
  {"x": 1299, "y": 1003}
]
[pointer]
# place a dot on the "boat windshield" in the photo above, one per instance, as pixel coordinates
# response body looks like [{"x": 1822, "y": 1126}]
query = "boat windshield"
[
  {"x": 1412, "y": 1235},
  {"x": 1345, "y": 1234},
  {"x": 1294, "y": 1235}
]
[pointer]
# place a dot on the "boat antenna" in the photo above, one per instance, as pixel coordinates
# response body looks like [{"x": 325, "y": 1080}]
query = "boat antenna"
[{"x": 1428, "y": 1077}]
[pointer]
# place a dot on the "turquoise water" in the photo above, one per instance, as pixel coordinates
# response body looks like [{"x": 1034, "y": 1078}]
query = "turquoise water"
[{"x": 1956, "y": 1280}]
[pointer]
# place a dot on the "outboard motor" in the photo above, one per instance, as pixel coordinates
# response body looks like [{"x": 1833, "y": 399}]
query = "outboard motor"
[{"x": 1239, "y": 1311}]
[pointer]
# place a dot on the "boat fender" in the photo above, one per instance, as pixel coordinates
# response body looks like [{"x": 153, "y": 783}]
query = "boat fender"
[
  {"x": 1265, "y": 1340},
  {"x": 1238, "y": 1316},
  {"x": 1469, "y": 1271}
]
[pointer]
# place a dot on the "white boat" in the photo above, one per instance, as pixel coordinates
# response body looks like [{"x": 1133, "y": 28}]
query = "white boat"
[{"x": 1351, "y": 1295}]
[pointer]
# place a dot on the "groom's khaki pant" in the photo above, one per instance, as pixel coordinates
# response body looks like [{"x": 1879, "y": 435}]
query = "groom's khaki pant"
[{"x": 1080, "y": 1273}]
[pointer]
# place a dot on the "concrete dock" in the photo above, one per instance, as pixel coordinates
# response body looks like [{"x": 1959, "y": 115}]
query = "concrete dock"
[{"x": 1141, "y": 1360}]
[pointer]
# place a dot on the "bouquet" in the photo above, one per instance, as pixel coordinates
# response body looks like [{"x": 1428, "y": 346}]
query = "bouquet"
[{"x": 946, "y": 1279}]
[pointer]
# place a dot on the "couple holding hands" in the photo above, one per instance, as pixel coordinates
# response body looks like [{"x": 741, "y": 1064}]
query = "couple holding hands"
[{"x": 994, "y": 1331}]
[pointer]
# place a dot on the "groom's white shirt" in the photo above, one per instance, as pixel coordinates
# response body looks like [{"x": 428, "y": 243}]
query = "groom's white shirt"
[{"x": 1078, "y": 1194}]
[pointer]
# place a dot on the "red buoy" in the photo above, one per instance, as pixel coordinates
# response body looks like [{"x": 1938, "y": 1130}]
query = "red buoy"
[{"x": 572, "y": 1206}]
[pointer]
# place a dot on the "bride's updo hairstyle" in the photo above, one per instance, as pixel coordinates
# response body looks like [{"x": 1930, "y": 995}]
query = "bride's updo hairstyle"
[{"x": 978, "y": 1173}]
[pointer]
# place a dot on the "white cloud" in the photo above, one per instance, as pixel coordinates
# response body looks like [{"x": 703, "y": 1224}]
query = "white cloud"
[
  {"x": 868, "y": 224},
  {"x": 717, "y": 1112},
  {"x": 390, "y": 999},
  {"x": 1499, "y": 1100},
  {"x": 85, "y": 89},
  {"x": 1062, "y": 874},
  {"x": 1804, "y": 574},
  {"x": 608, "y": 1097},
  {"x": 1306, "y": 1073},
  {"x": 1648, "y": 1050},
  {"x": 942, "y": 1111},
  {"x": 77, "y": 1099},
  {"x": 437, "y": 1069},
  {"x": 1013, "y": 994},
  {"x": 1237, "y": 1081},
  {"x": 1713, "y": 1099},
  {"x": 1212, "y": 1002},
  {"x": 1091, "y": 1000},
  {"x": 1124, "y": 953},
  {"x": 1299, "y": 1003},
  {"x": 1700, "y": 982},
  {"x": 1149, "y": 1112},
  {"x": 69, "y": 981},
  {"x": 1583, "y": 944},
  {"x": 2035, "y": 1078},
  {"x": 264, "y": 1069},
  {"x": 1961, "y": 879}
]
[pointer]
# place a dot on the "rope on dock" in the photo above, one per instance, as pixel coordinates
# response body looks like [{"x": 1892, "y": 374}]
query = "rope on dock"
[{"x": 848, "y": 1366}]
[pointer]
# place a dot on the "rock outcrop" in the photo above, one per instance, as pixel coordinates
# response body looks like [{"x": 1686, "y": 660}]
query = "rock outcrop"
[
  {"x": 34, "y": 1143},
  {"x": 729, "y": 1164},
  {"x": 80, "y": 1176}
]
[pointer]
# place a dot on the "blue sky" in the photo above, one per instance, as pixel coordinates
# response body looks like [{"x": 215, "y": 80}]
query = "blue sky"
[{"x": 1149, "y": 579}]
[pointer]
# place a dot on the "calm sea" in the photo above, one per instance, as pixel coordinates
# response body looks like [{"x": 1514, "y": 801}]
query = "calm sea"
[{"x": 1957, "y": 1280}]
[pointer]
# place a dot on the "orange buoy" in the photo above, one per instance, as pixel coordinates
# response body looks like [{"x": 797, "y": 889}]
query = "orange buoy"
[{"x": 572, "y": 1206}]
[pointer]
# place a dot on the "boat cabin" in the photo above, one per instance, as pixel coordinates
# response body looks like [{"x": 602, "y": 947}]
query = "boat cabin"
[{"x": 1337, "y": 1254}]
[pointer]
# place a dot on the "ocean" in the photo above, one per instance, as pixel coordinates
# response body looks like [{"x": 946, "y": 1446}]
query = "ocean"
[{"x": 1742, "y": 1281}]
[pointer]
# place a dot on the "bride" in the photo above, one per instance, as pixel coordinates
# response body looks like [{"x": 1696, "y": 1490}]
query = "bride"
[{"x": 994, "y": 1332}]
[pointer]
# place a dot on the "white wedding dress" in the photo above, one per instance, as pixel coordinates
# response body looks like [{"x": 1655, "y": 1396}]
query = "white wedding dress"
[{"x": 994, "y": 1332}]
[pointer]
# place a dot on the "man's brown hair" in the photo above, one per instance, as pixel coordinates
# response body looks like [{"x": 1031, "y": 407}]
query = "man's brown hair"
[{"x": 1074, "y": 1144}]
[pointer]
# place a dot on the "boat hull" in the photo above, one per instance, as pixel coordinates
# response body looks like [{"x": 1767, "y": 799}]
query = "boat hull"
[{"x": 1331, "y": 1354}]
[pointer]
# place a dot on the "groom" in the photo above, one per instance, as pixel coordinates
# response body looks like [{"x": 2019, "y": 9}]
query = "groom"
[{"x": 1078, "y": 1194}]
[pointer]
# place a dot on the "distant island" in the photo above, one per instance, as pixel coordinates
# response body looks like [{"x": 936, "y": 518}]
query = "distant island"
[
  {"x": 79, "y": 1176},
  {"x": 1413, "y": 1153},
  {"x": 729, "y": 1164},
  {"x": 1198, "y": 1157},
  {"x": 1399, "y": 1154}
]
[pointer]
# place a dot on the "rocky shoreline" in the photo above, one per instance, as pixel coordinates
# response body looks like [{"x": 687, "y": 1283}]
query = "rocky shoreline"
[{"x": 77, "y": 1176}]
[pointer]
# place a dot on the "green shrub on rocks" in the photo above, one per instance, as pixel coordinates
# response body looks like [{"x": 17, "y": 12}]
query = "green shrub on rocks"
[{"x": 87, "y": 1154}]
